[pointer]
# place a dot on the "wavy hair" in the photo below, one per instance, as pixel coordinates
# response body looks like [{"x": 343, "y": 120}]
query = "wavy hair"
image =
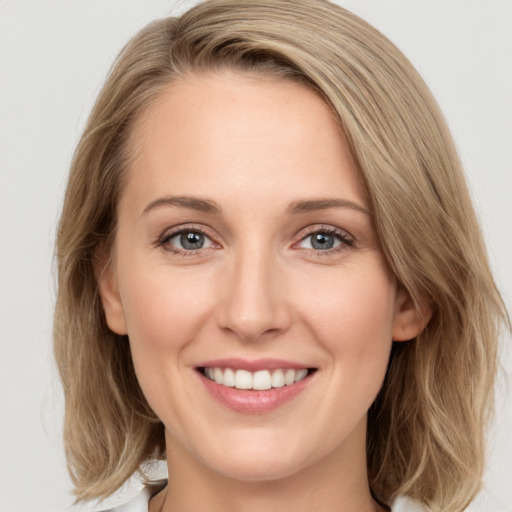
[{"x": 426, "y": 428}]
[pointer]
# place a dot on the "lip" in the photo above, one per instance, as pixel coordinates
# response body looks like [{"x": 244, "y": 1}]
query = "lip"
[
  {"x": 252, "y": 401},
  {"x": 252, "y": 366}
]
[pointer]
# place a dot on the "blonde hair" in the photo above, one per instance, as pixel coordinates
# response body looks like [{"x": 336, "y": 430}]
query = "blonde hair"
[{"x": 426, "y": 428}]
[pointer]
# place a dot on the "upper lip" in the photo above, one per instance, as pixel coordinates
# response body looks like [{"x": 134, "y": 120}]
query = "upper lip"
[{"x": 252, "y": 365}]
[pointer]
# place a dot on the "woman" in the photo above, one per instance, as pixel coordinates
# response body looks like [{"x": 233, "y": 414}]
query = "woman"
[{"x": 270, "y": 272}]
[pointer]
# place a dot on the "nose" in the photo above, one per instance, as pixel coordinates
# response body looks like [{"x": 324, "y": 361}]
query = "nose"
[{"x": 253, "y": 303}]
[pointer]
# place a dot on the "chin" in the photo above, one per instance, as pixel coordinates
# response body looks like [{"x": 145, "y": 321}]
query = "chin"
[
  {"x": 260, "y": 459},
  {"x": 263, "y": 470}
]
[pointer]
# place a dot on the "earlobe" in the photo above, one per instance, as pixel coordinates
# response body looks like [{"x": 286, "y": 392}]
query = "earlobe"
[
  {"x": 409, "y": 319},
  {"x": 110, "y": 297}
]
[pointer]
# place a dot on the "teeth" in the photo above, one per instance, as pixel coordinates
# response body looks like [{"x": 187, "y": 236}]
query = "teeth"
[
  {"x": 289, "y": 377},
  {"x": 278, "y": 379},
  {"x": 243, "y": 379},
  {"x": 228, "y": 378},
  {"x": 300, "y": 374},
  {"x": 260, "y": 380}
]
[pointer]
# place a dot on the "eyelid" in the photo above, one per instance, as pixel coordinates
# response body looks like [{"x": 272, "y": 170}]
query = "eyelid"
[
  {"x": 169, "y": 233},
  {"x": 347, "y": 240}
]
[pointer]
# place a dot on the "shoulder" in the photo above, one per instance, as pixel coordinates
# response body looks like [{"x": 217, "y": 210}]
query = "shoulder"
[{"x": 140, "y": 502}]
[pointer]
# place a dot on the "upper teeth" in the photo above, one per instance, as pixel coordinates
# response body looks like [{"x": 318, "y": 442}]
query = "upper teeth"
[{"x": 260, "y": 380}]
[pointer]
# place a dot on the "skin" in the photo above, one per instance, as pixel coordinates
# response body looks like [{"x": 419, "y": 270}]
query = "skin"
[{"x": 255, "y": 146}]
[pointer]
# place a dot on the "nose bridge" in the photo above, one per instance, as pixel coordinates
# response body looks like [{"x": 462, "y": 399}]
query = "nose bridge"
[{"x": 253, "y": 302}]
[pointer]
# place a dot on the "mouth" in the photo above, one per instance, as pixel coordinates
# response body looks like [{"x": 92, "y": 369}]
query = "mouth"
[
  {"x": 255, "y": 386},
  {"x": 260, "y": 380}
]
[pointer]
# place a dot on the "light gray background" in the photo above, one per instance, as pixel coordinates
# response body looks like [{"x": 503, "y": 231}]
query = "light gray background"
[{"x": 53, "y": 58}]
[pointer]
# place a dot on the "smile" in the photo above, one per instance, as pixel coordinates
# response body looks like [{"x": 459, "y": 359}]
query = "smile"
[
  {"x": 260, "y": 380},
  {"x": 257, "y": 386}
]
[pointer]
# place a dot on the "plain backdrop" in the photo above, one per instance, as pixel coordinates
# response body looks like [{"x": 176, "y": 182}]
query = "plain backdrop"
[{"x": 54, "y": 56}]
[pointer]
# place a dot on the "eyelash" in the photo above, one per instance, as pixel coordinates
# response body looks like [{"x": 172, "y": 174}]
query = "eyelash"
[
  {"x": 343, "y": 237},
  {"x": 346, "y": 241},
  {"x": 166, "y": 237}
]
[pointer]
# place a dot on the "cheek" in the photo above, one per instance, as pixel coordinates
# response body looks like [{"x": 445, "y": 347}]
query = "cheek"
[
  {"x": 164, "y": 312},
  {"x": 162, "y": 308},
  {"x": 353, "y": 318},
  {"x": 355, "y": 301}
]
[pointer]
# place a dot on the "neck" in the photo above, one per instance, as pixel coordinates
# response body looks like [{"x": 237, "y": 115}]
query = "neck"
[{"x": 336, "y": 483}]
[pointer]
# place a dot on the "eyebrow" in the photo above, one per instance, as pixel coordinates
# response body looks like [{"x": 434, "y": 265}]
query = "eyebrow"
[
  {"x": 324, "y": 204},
  {"x": 193, "y": 203},
  {"x": 296, "y": 207}
]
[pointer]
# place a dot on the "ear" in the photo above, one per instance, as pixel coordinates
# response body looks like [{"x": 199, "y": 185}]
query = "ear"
[
  {"x": 409, "y": 320},
  {"x": 106, "y": 278}
]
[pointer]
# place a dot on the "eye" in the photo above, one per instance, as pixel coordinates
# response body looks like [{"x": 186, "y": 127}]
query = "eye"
[
  {"x": 186, "y": 240},
  {"x": 327, "y": 239}
]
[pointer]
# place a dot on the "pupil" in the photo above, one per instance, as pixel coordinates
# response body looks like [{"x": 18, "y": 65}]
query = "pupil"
[
  {"x": 322, "y": 241},
  {"x": 192, "y": 240}
]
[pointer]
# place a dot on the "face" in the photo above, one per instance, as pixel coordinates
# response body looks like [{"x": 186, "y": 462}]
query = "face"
[{"x": 247, "y": 274}]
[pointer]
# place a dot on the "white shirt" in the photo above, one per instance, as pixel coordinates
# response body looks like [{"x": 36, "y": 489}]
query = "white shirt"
[{"x": 140, "y": 503}]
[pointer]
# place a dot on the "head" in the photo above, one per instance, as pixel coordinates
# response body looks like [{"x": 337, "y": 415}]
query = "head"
[{"x": 425, "y": 426}]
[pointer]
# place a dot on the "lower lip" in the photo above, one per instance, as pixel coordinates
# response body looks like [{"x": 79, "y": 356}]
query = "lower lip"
[{"x": 252, "y": 401}]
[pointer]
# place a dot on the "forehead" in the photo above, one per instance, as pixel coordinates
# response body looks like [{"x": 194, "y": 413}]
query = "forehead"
[
  {"x": 235, "y": 103},
  {"x": 245, "y": 130}
]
